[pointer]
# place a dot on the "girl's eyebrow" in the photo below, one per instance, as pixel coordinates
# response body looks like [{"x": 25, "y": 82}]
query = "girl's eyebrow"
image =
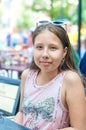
[{"x": 38, "y": 43}]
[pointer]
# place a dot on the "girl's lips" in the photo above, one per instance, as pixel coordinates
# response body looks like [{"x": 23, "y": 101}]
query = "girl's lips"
[{"x": 45, "y": 63}]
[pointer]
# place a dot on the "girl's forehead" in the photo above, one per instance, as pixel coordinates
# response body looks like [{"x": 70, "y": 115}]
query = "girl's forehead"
[
  {"x": 47, "y": 34},
  {"x": 47, "y": 37}
]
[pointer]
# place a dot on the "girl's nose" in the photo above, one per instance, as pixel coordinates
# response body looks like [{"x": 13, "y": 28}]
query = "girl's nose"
[{"x": 45, "y": 53}]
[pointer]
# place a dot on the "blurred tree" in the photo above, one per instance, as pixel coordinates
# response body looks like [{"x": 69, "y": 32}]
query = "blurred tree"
[
  {"x": 74, "y": 15},
  {"x": 56, "y": 9},
  {"x": 84, "y": 12},
  {"x": 26, "y": 18}
]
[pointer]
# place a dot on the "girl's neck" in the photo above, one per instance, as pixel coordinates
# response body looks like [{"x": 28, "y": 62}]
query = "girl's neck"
[{"x": 44, "y": 78}]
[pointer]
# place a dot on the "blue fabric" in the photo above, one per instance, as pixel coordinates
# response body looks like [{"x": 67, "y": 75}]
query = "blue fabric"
[
  {"x": 8, "y": 40},
  {"x": 25, "y": 40},
  {"x": 83, "y": 65},
  {"x": 7, "y": 124}
]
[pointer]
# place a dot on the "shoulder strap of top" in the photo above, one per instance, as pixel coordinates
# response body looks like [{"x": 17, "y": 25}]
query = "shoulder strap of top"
[
  {"x": 58, "y": 97},
  {"x": 60, "y": 90},
  {"x": 60, "y": 84}
]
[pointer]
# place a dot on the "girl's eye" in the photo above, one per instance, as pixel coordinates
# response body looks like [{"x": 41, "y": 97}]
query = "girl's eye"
[
  {"x": 53, "y": 48},
  {"x": 39, "y": 47}
]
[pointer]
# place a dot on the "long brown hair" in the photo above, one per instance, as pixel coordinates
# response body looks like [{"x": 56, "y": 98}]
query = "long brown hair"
[{"x": 62, "y": 34}]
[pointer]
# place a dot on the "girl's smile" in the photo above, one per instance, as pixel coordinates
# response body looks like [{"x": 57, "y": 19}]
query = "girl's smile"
[{"x": 45, "y": 63}]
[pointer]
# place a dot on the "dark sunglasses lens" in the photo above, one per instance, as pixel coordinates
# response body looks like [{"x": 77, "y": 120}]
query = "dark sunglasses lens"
[
  {"x": 42, "y": 22},
  {"x": 58, "y": 22}
]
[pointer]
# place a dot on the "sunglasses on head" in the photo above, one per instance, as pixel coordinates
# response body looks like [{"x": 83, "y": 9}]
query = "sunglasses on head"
[{"x": 56, "y": 23}]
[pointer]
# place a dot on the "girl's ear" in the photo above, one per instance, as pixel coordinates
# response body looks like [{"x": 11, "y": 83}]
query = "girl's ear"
[{"x": 65, "y": 51}]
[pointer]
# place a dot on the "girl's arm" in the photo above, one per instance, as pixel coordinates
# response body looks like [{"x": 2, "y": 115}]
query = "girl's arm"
[
  {"x": 19, "y": 116},
  {"x": 75, "y": 100}
]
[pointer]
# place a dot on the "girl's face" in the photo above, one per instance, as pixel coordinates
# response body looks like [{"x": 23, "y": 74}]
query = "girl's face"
[{"x": 48, "y": 51}]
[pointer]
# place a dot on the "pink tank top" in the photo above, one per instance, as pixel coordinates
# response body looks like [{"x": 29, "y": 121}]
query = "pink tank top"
[{"x": 42, "y": 105}]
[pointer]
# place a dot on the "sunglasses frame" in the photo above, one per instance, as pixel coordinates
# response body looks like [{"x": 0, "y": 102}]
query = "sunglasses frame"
[{"x": 56, "y": 23}]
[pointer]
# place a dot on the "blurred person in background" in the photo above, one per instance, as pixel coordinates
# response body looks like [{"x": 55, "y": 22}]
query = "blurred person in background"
[
  {"x": 83, "y": 57},
  {"x": 83, "y": 46},
  {"x": 24, "y": 36},
  {"x": 16, "y": 40},
  {"x": 8, "y": 39},
  {"x": 83, "y": 65},
  {"x": 28, "y": 52}
]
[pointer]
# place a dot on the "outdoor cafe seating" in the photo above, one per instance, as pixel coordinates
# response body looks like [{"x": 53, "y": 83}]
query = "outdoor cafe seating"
[{"x": 12, "y": 61}]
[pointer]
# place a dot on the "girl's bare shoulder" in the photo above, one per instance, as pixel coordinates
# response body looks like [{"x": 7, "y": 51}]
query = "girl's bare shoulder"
[
  {"x": 72, "y": 76},
  {"x": 24, "y": 76},
  {"x": 25, "y": 73},
  {"x": 73, "y": 81}
]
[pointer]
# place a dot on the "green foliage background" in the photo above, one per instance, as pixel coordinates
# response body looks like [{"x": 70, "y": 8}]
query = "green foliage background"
[{"x": 56, "y": 9}]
